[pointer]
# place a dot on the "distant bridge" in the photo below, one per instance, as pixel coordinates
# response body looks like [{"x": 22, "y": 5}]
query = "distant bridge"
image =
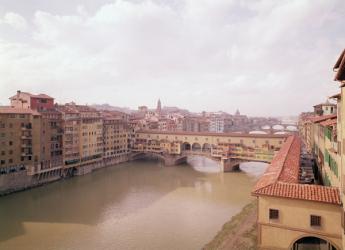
[{"x": 229, "y": 148}]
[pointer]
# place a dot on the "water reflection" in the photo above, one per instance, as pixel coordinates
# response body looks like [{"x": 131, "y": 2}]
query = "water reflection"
[
  {"x": 135, "y": 205},
  {"x": 255, "y": 169},
  {"x": 203, "y": 164}
]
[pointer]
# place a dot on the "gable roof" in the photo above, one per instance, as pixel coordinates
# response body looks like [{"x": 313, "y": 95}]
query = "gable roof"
[
  {"x": 42, "y": 96},
  {"x": 284, "y": 166}
]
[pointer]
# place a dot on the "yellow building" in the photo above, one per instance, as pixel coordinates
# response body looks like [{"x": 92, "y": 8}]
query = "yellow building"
[
  {"x": 20, "y": 140},
  {"x": 83, "y": 137},
  {"x": 116, "y": 139},
  {"x": 71, "y": 126}
]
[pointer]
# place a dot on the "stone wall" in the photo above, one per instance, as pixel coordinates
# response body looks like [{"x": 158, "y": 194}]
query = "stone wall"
[{"x": 20, "y": 180}]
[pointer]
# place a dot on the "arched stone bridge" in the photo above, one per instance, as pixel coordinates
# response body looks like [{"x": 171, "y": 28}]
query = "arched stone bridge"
[{"x": 229, "y": 148}]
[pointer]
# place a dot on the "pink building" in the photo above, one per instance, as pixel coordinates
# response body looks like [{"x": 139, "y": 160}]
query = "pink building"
[{"x": 39, "y": 102}]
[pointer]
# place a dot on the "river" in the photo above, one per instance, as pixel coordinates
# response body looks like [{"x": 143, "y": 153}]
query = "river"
[{"x": 135, "y": 205}]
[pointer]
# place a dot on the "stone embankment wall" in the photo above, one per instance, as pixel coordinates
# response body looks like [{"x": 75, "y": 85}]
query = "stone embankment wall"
[
  {"x": 17, "y": 181},
  {"x": 20, "y": 180}
]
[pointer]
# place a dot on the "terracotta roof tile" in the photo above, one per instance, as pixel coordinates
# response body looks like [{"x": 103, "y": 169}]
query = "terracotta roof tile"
[
  {"x": 321, "y": 118},
  {"x": 302, "y": 192},
  {"x": 284, "y": 166},
  {"x": 43, "y": 96},
  {"x": 281, "y": 178},
  {"x": 329, "y": 122}
]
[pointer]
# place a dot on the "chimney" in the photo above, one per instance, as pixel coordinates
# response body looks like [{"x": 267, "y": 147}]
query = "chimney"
[{"x": 18, "y": 93}]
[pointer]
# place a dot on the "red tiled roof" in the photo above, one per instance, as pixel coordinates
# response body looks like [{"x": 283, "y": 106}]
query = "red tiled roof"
[
  {"x": 281, "y": 178},
  {"x": 44, "y": 96},
  {"x": 284, "y": 166},
  {"x": 321, "y": 118},
  {"x": 303, "y": 192},
  {"x": 336, "y": 96},
  {"x": 329, "y": 122}
]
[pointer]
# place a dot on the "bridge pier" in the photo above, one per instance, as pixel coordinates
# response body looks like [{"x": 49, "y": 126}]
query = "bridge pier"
[
  {"x": 230, "y": 165},
  {"x": 174, "y": 160},
  {"x": 167, "y": 159}
]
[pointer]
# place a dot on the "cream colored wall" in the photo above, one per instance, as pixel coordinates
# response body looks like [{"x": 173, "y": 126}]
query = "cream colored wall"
[
  {"x": 294, "y": 221},
  {"x": 88, "y": 142},
  {"x": 115, "y": 139},
  {"x": 18, "y": 103}
]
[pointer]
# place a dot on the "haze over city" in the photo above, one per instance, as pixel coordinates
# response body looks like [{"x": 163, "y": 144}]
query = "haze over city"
[{"x": 263, "y": 57}]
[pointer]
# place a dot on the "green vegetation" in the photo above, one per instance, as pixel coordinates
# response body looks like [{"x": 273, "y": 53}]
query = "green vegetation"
[{"x": 239, "y": 232}]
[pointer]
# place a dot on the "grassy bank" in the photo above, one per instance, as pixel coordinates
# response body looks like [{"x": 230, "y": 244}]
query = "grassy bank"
[{"x": 239, "y": 232}]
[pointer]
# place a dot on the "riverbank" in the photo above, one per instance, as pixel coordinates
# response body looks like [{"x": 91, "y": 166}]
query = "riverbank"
[{"x": 239, "y": 233}]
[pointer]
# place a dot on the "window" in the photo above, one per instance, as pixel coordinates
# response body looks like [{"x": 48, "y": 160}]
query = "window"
[
  {"x": 315, "y": 220},
  {"x": 274, "y": 214}
]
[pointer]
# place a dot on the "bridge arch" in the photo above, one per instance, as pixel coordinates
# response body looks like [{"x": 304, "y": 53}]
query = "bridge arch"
[
  {"x": 278, "y": 127},
  {"x": 196, "y": 147},
  {"x": 206, "y": 147},
  {"x": 186, "y": 146},
  {"x": 291, "y": 128},
  {"x": 312, "y": 242}
]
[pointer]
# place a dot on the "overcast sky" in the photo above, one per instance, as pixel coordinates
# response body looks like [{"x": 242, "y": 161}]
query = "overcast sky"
[{"x": 263, "y": 57}]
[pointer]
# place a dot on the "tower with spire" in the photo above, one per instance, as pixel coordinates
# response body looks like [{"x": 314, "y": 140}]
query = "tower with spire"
[{"x": 159, "y": 107}]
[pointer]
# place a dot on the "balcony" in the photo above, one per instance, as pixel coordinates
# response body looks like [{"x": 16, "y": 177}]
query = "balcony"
[
  {"x": 26, "y": 137},
  {"x": 26, "y": 145},
  {"x": 26, "y": 154},
  {"x": 26, "y": 127}
]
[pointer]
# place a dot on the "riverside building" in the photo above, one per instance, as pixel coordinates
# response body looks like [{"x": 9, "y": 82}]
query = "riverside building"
[
  {"x": 301, "y": 195},
  {"x": 116, "y": 136}
]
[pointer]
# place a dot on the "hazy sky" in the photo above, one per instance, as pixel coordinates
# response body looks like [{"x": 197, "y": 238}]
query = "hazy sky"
[{"x": 263, "y": 57}]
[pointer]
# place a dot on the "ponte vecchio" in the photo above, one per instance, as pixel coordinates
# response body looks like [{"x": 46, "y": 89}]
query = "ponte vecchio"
[{"x": 229, "y": 148}]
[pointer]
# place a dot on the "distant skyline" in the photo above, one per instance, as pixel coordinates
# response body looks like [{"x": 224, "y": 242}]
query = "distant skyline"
[{"x": 265, "y": 58}]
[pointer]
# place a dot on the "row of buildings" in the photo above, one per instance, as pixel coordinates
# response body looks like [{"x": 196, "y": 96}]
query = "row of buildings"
[
  {"x": 174, "y": 119},
  {"x": 294, "y": 214},
  {"x": 42, "y": 141},
  {"x": 49, "y": 141}
]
